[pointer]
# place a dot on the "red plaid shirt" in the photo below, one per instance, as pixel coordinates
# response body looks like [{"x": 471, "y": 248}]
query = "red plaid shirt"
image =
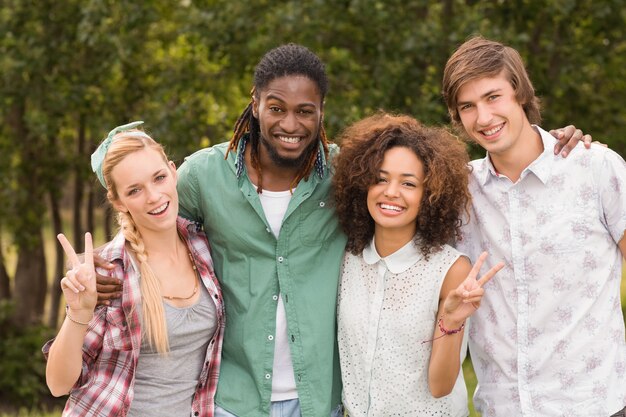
[{"x": 113, "y": 339}]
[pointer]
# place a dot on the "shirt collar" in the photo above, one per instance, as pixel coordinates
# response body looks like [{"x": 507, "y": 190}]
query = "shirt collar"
[
  {"x": 541, "y": 166},
  {"x": 397, "y": 262},
  {"x": 321, "y": 168}
]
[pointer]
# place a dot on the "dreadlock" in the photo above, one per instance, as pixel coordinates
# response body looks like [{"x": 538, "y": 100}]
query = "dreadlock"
[{"x": 285, "y": 60}]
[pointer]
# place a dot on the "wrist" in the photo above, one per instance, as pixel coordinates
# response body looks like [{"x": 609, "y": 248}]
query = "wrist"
[
  {"x": 449, "y": 327},
  {"x": 79, "y": 316},
  {"x": 449, "y": 323}
]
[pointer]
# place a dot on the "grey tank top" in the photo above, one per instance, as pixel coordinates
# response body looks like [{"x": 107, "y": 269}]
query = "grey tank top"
[{"x": 165, "y": 385}]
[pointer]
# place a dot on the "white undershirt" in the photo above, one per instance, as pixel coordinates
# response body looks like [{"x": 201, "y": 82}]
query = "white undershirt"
[{"x": 275, "y": 205}]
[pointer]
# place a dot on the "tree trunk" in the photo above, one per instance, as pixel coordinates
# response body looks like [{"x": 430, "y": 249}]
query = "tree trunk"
[
  {"x": 77, "y": 222},
  {"x": 27, "y": 218},
  {"x": 59, "y": 266},
  {"x": 30, "y": 282},
  {"x": 5, "y": 287}
]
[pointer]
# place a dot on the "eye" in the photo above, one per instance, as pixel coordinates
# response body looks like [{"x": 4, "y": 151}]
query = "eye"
[
  {"x": 409, "y": 184},
  {"x": 380, "y": 180},
  {"x": 464, "y": 107},
  {"x": 275, "y": 109},
  {"x": 132, "y": 191},
  {"x": 493, "y": 97},
  {"x": 305, "y": 111},
  {"x": 160, "y": 178}
]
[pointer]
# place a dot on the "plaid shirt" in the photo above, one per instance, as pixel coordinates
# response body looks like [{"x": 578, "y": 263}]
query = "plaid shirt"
[{"x": 113, "y": 339}]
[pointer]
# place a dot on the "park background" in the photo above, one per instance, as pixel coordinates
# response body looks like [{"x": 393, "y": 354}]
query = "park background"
[{"x": 73, "y": 69}]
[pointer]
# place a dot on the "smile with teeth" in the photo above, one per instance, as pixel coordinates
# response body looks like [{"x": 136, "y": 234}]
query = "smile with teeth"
[
  {"x": 492, "y": 131},
  {"x": 159, "y": 209},
  {"x": 289, "y": 139},
  {"x": 390, "y": 207}
]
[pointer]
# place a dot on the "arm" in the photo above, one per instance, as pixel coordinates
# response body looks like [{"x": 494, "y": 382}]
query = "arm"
[
  {"x": 622, "y": 246},
  {"x": 568, "y": 138},
  {"x": 460, "y": 296},
  {"x": 79, "y": 288}
]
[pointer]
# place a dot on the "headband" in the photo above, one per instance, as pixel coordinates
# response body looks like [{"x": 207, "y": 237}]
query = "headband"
[{"x": 97, "y": 158}]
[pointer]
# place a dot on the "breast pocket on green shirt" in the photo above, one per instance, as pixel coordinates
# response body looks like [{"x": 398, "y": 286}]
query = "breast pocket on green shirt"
[{"x": 318, "y": 222}]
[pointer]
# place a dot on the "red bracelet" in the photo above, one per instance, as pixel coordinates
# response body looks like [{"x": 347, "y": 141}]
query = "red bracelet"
[{"x": 444, "y": 330}]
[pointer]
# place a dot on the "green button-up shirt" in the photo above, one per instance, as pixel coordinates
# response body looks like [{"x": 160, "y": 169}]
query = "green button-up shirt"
[{"x": 254, "y": 266}]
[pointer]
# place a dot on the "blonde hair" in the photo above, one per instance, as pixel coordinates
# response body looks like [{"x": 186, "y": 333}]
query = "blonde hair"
[{"x": 154, "y": 326}]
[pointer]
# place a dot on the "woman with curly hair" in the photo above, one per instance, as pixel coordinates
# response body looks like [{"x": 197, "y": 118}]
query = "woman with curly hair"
[{"x": 405, "y": 294}]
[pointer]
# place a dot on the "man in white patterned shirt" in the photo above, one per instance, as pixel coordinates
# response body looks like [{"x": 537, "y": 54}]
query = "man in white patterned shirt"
[{"x": 549, "y": 338}]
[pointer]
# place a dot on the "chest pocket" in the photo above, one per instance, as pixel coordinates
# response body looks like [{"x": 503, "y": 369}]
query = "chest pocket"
[
  {"x": 318, "y": 222},
  {"x": 563, "y": 228},
  {"x": 117, "y": 335}
]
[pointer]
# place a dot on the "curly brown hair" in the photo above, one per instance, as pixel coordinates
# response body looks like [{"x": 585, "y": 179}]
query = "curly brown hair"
[{"x": 446, "y": 171}]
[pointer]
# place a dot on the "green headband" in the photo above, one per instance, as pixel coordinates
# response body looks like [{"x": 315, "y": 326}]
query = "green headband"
[{"x": 97, "y": 158}]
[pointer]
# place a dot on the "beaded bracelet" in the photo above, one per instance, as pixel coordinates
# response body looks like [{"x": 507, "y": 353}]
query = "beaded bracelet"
[
  {"x": 72, "y": 319},
  {"x": 444, "y": 331}
]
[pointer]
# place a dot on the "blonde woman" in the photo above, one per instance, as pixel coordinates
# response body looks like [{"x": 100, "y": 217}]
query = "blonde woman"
[{"x": 156, "y": 350}]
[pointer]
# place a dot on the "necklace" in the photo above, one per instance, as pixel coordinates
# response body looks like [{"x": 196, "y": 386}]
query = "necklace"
[{"x": 195, "y": 288}]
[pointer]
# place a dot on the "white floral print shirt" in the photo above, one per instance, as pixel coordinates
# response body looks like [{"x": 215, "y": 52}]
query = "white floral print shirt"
[{"x": 548, "y": 339}]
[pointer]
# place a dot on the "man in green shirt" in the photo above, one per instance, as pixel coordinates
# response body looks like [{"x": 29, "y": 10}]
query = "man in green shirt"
[{"x": 265, "y": 202}]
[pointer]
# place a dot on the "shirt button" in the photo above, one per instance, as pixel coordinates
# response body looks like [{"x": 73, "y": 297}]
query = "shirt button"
[
  {"x": 280, "y": 259},
  {"x": 322, "y": 204},
  {"x": 267, "y": 229},
  {"x": 267, "y": 376},
  {"x": 270, "y": 337},
  {"x": 275, "y": 297}
]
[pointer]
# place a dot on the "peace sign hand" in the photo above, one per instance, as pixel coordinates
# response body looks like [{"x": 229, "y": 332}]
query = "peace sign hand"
[
  {"x": 79, "y": 283},
  {"x": 465, "y": 299}
]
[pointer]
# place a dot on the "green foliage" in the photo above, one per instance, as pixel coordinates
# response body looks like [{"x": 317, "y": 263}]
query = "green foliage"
[{"x": 22, "y": 366}]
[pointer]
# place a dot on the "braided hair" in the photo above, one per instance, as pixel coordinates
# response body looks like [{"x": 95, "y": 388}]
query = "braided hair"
[
  {"x": 285, "y": 60},
  {"x": 153, "y": 324}
]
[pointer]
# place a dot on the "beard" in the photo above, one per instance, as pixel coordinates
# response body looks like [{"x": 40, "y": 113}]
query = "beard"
[{"x": 290, "y": 163}]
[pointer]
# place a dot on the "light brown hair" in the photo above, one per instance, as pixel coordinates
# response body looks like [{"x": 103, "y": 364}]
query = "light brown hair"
[{"x": 479, "y": 58}]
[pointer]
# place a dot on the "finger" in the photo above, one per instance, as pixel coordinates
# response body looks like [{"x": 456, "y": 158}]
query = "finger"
[
  {"x": 473, "y": 300},
  {"x": 490, "y": 274},
  {"x": 108, "y": 296},
  {"x": 100, "y": 262},
  {"x": 69, "y": 250},
  {"x": 71, "y": 284},
  {"x": 476, "y": 268},
  {"x": 107, "y": 280},
  {"x": 89, "y": 251},
  {"x": 108, "y": 289}
]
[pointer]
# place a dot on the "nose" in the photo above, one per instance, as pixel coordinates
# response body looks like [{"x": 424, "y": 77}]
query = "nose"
[
  {"x": 483, "y": 117},
  {"x": 289, "y": 122},
  {"x": 152, "y": 194},
  {"x": 391, "y": 190}
]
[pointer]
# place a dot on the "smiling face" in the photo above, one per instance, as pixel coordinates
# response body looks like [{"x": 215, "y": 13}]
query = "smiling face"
[
  {"x": 289, "y": 111},
  {"x": 146, "y": 188},
  {"x": 492, "y": 116},
  {"x": 394, "y": 201}
]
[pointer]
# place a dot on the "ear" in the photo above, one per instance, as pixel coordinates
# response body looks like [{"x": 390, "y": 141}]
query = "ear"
[
  {"x": 119, "y": 206},
  {"x": 255, "y": 107},
  {"x": 172, "y": 166}
]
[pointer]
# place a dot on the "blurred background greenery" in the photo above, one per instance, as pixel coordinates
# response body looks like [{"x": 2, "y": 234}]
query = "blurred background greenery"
[{"x": 72, "y": 69}]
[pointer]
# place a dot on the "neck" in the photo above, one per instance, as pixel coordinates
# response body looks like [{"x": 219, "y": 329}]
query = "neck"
[
  {"x": 516, "y": 159},
  {"x": 389, "y": 241},
  {"x": 275, "y": 178},
  {"x": 163, "y": 244}
]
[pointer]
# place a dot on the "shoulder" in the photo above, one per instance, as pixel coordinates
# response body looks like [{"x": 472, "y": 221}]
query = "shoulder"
[{"x": 214, "y": 152}]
